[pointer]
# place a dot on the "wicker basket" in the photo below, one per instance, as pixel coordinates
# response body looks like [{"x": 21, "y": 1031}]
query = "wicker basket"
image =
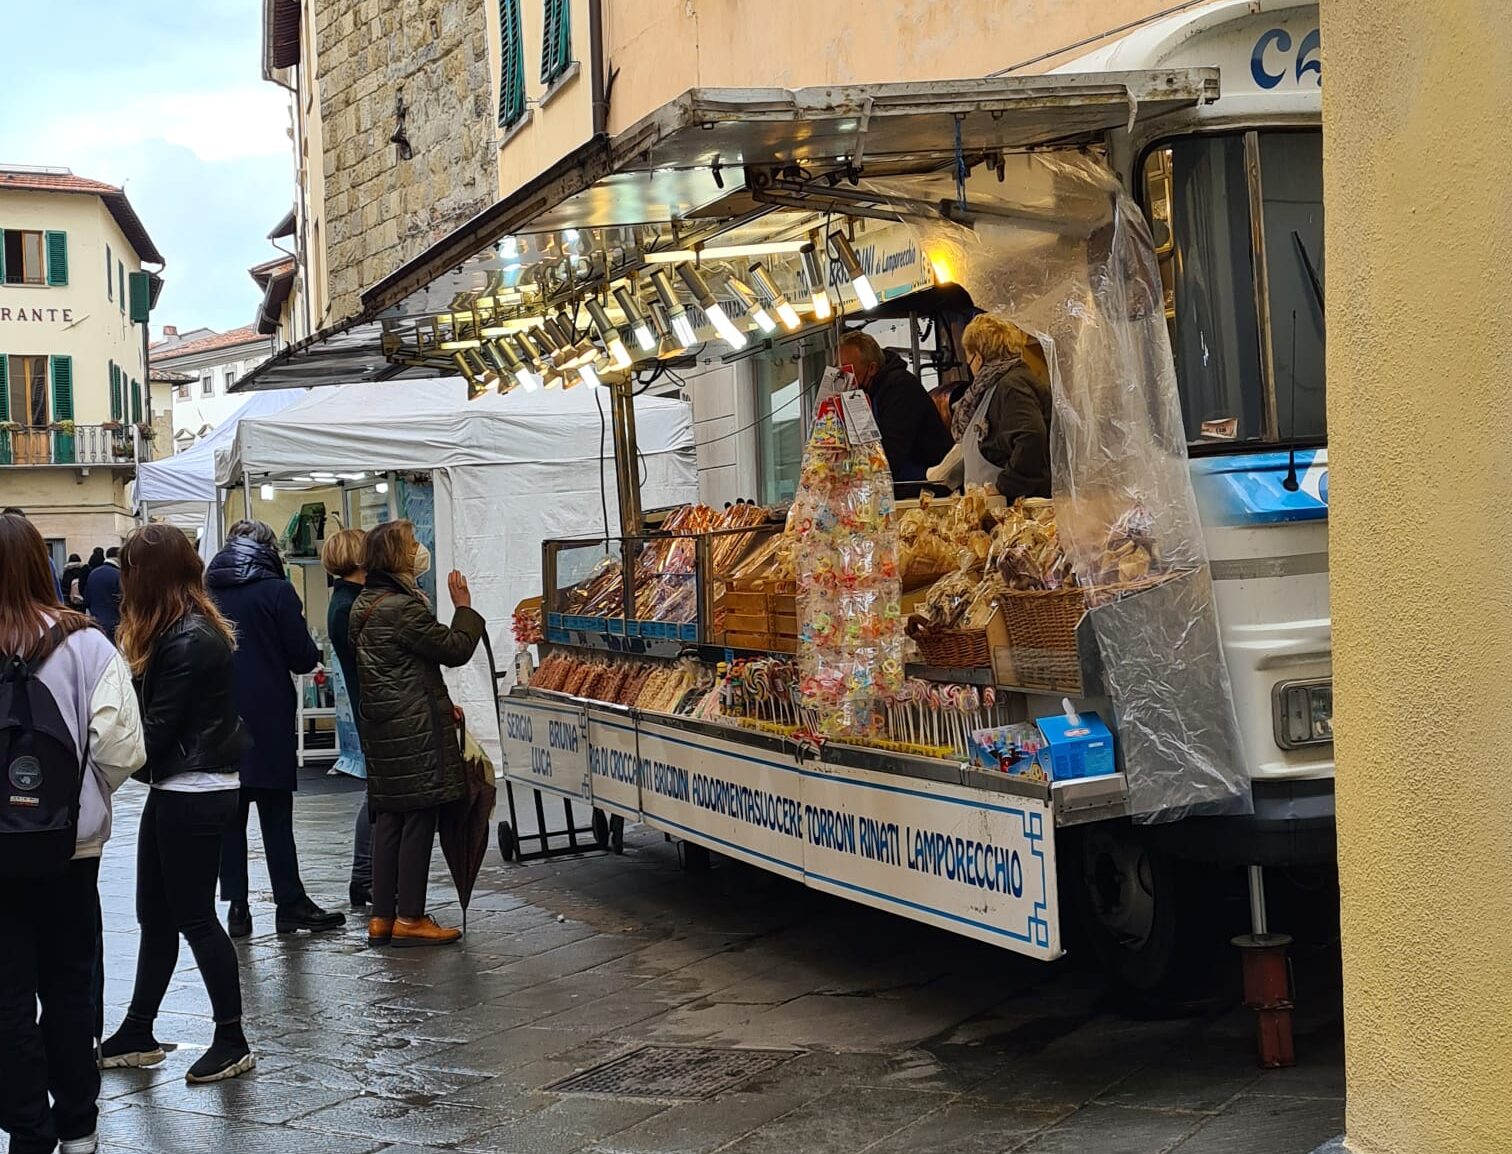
[
  {"x": 955, "y": 649},
  {"x": 1042, "y": 636}
]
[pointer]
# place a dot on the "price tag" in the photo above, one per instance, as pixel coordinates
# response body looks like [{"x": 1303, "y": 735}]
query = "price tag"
[{"x": 859, "y": 422}]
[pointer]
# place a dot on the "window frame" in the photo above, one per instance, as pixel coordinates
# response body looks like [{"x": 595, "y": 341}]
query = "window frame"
[
  {"x": 41, "y": 255},
  {"x": 207, "y": 383},
  {"x": 1249, "y": 136},
  {"x": 554, "y": 67},
  {"x": 511, "y": 56}
]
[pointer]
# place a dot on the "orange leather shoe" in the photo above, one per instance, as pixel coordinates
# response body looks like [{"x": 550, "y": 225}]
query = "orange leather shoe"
[
  {"x": 380, "y": 930},
  {"x": 423, "y": 932}
]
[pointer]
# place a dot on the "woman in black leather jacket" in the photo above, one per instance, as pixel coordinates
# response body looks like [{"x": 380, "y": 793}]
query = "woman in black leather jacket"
[{"x": 179, "y": 648}]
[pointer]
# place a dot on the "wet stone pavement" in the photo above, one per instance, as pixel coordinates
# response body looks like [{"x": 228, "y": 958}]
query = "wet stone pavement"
[{"x": 890, "y": 1037}]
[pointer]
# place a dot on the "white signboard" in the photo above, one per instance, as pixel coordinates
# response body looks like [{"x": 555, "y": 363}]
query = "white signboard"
[
  {"x": 736, "y": 799},
  {"x": 972, "y": 861},
  {"x": 613, "y": 763},
  {"x": 546, "y": 746}
]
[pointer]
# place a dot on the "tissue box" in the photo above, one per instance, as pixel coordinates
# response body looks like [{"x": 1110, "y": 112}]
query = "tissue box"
[{"x": 1076, "y": 747}]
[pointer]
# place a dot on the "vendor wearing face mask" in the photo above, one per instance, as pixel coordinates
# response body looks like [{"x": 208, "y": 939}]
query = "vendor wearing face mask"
[
  {"x": 408, "y": 726},
  {"x": 1002, "y": 421},
  {"x": 913, "y": 436}
]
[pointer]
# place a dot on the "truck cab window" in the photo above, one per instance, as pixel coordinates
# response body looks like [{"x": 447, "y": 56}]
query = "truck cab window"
[{"x": 1198, "y": 196}]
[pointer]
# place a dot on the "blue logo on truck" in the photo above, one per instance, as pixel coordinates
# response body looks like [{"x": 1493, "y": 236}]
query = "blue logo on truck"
[{"x": 1308, "y": 58}]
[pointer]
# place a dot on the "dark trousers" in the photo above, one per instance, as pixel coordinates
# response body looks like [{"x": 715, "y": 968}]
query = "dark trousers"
[
  {"x": 275, "y": 814},
  {"x": 47, "y": 955},
  {"x": 362, "y": 850},
  {"x": 178, "y": 850},
  {"x": 401, "y": 862}
]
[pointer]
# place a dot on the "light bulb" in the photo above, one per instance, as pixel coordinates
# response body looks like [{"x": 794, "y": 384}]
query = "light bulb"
[
  {"x": 683, "y": 327},
  {"x": 788, "y": 315},
  {"x": 865, "y": 293},
  {"x": 528, "y": 380},
  {"x": 763, "y": 320},
  {"x": 822, "y": 308},
  {"x": 381, "y": 487},
  {"x": 725, "y": 327},
  {"x": 589, "y": 376},
  {"x": 619, "y": 354},
  {"x": 645, "y": 337},
  {"x": 266, "y": 492}
]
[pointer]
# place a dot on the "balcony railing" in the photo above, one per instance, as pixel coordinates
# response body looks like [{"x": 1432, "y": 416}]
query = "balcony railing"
[{"x": 98, "y": 445}]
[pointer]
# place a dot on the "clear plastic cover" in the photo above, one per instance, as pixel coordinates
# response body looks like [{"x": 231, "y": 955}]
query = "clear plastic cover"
[{"x": 1058, "y": 248}]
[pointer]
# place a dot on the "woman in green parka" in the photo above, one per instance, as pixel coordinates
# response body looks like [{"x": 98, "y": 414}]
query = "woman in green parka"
[{"x": 411, "y": 734}]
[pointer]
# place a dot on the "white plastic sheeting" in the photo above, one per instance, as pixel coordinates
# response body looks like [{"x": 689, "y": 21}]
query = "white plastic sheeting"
[{"x": 509, "y": 473}]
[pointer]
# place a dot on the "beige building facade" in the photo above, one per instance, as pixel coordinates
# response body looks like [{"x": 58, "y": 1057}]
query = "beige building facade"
[{"x": 75, "y": 407}]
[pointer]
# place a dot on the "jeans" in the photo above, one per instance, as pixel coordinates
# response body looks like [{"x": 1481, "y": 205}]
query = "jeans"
[
  {"x": 178, "y": 849},
  {"x": 275, "y": 814},
  {"x": 402, "y": 845},
  {"x": 362, "y": 850},
  {"x": 47, "y": 955}
]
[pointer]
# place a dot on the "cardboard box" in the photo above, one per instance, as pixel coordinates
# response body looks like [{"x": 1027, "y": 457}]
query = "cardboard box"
[{"x": 1077, "y": 746}]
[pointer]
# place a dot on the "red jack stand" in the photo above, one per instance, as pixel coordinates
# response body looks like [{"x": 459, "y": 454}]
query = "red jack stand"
[
  {"x": 1267, "y": 992},
  {"x": 1267, "y": 985}
]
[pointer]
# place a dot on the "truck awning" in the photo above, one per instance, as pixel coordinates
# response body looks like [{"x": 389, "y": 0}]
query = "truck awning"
[{"x": 700, "y": 162}]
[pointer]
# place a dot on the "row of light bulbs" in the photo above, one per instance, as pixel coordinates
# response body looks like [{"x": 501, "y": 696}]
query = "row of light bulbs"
[{"x": 551, "y": 353}]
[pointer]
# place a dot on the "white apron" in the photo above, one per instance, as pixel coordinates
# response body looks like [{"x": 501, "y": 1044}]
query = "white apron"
[{"x": 979, "y": 470}]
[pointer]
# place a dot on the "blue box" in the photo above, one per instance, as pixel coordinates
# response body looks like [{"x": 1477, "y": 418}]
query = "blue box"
[{"x": 1078, "y": 746}]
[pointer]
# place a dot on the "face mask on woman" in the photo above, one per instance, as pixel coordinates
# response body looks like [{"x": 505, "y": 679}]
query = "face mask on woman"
[{"x": 422, "y": 560}]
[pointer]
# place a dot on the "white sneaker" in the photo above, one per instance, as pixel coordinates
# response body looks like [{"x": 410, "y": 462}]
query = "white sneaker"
[{"x": 80, "y": 1145}]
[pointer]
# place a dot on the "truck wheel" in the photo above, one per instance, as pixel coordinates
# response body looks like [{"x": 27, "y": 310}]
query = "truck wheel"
[{"x": 1155, "y": 924}]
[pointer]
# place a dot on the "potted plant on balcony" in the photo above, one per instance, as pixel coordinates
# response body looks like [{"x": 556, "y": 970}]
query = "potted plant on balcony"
[
  {"x": 123, "y": 450},
  {"x": 66, "y": 428},
  {"x": 148, "y": 432},
  {"x": 111, "y": 426}
]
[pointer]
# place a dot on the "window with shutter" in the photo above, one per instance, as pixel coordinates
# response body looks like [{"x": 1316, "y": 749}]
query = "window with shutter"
[
  {"x": 141, "y": 297},
  {"x": 556, "y": 39},
  {"x": 109, "y": 279},
  {"x": 2, "y": 256},
  {"x": 57, "y": 258},
  {"x": 5, "y": 437},
  {"x": 121, "y": 283},
  {"x": 511, "y": 64},
  {"x": 63, "y": 408},
  {"x": 117, "y": 412},
  {"x": 136, "y": 402}
]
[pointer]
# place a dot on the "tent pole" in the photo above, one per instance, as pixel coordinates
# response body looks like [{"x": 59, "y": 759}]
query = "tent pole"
[
  {"x": 247, "y": 494},
  {"x": 626, "y": 456}
]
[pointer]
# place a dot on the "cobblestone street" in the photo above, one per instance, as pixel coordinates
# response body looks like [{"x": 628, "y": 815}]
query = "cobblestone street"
[{"x": 891, "y": 1036}]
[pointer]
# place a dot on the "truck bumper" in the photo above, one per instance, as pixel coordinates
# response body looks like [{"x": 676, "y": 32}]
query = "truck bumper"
[{"x": 1293, "y": 825}]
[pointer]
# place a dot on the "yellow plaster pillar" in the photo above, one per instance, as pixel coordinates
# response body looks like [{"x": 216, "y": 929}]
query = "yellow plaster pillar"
[{"x": 1418, "y": 184}]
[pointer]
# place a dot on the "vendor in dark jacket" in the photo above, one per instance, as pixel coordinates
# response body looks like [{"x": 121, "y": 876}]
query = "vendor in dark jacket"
[
  {"x": 247, "y": 581},
  {"x": 913, "y": 436},
  {"x": 342, "y": 556},
  {"x": 410, "y": 732},
  {"x": 1002, "y": 421}
]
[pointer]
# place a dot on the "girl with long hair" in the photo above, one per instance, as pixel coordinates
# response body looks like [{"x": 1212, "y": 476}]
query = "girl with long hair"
[
  {"x": 61, "y": 683},
  {"x": 179, "y": 648}
]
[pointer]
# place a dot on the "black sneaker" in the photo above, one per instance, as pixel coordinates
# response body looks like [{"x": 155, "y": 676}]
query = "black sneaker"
[
  {"x": 130, "y": 1047},
  {"x": 306, "y": 915},
  {"x": 221, "y": 1061},
  {"x": 239, "y": 920}
]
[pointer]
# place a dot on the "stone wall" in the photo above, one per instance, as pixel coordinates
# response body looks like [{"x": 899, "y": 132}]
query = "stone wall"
[{"x": 381, "y": 210}]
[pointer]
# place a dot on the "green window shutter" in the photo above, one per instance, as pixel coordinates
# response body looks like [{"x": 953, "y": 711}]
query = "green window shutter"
[
  {"x": 141, "y": 297},
  {"x": 511, "y": 64},
  {"x": 109, "y": 275},
  {"x": 2, "y": 256},
  {"x": 116, "y": 413},
  {"x": 136, "y": 402},
  {"x": 556, "y": 40},
  {"x": 57, "y": 258},
  {"x": 121, "y": 283},
  {"x": 63, "y": 408},
  {"x": 4, "y": 388}
]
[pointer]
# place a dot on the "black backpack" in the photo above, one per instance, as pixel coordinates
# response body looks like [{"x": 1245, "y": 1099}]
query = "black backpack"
[{"x": 41, "y": 771}]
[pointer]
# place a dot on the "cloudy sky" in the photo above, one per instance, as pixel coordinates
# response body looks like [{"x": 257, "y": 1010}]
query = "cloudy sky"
[{"x": 167, "y": 100}]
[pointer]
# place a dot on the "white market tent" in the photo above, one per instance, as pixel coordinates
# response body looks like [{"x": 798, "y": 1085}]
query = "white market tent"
[
  {"x": 508, "y": 473},
  {"x": 181, "y": 489}
]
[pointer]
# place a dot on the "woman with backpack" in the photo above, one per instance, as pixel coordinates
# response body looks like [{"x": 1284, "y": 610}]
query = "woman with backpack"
[
  {"x": 411, "y": 737},
  {"x": 179, "y": 648},
  {"x": 67, "y": 716}
]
